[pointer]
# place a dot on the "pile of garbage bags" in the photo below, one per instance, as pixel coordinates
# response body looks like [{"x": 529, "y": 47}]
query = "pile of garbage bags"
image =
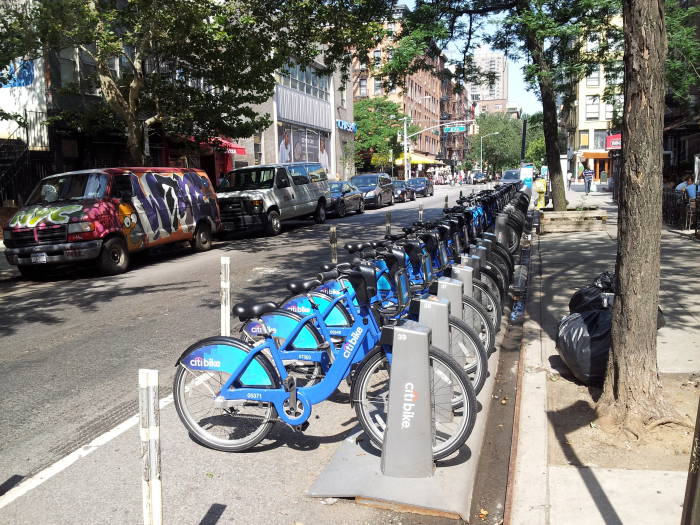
[{"x": 583, "y": 336}]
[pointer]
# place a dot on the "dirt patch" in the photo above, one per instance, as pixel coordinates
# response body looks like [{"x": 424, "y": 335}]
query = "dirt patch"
[{"x": 574, "y": 439}]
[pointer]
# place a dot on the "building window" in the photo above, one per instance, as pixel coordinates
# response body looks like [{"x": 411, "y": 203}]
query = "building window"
[
  {"x": 497, "y": 107},
  {"x": 377, "y": 57},
  {"x": 363, "y": 87},
  {"x": 378, "y": 89},
  {"x": 476, "y": 97},
  {"x": 307, "y": 81},
  {"x": 593, "y": 80},
  {"x": 583, "y": 139},
  {"x": 599, "y": 138},
  {"x": 66, "y": 59},
  {"x": 592, "y": 107},
  {"x": 609, "y": 111}
]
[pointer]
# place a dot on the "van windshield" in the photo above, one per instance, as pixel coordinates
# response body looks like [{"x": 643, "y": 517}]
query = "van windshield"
[
  {"x": 69, "y": 186},
  {"x": 248, "y": 179}
]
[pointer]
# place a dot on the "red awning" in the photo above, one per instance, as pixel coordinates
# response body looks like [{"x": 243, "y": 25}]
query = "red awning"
[
  {"x": 231, "y": 147},
  {"x": 613, "y": 141}
]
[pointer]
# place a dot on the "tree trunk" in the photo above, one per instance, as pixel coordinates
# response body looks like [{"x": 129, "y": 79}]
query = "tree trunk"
[
  {"x": 134, "y": 141},
  {"x": 632, "y": 392},
  {"x": 549, "y": 117},
  {"x": 551, "y": 143}
]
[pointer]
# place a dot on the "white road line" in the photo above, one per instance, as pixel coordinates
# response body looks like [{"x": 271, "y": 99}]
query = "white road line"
[{"x": 30, "y": 484}]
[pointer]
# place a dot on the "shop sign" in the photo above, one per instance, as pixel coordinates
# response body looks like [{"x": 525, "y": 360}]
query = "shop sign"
[
  {"x": 613, "y": 141},
  {"x": 346, "y": 126}
]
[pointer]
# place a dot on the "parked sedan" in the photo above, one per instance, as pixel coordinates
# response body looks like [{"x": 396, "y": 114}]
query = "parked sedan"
[
  {"x": 422, "y": 186},
  {"x": 344, "y": 198},
  {"x": 377, "y": 188},
  {"x": 403, "y": 192}
]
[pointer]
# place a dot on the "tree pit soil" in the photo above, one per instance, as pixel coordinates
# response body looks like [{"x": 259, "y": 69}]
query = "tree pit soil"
[{"x": 576, "y": 440}]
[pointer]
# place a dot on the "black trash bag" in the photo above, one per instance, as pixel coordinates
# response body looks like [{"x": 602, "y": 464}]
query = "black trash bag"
[
  {"x": 583, "y": 342},
  {"x": 586, "y": 299},
  {"x": 605, "y": 281}
]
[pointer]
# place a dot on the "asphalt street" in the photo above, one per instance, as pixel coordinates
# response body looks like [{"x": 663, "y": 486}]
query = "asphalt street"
[{"x": 72, "y": 345}]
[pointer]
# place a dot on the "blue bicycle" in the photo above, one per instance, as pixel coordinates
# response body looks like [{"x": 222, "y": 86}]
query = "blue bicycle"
[{"x": 229, "y": 393}]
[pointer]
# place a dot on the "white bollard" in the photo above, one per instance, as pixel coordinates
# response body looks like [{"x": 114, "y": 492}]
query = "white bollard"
[
  {"x": 226, "y": 296},
  {"x": 420, "y": 213},
  {"x": 387, "y": 223},
  {"x": 149, "y": 417}
]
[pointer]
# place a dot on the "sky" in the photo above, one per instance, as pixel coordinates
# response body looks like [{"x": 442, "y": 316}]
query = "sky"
[{"x": 518, "y": 95}]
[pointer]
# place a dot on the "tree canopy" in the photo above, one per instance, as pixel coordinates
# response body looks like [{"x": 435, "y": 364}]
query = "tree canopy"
[
  {"x": 194, "y": 67},
  {"x": 501, "y": 151},
  {"x": 379, "y": 121}
]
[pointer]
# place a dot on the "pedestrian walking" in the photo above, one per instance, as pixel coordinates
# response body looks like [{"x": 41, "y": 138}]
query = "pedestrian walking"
[{"x": 588, "y": 179}]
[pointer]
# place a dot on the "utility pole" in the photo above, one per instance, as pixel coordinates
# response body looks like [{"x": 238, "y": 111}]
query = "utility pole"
[{"x": 406, "y": 161}]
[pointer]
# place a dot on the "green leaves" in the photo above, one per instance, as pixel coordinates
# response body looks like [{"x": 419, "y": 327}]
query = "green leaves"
[
  {"x": 500, "y": 151},
  {"x": 379, "y": 121}
]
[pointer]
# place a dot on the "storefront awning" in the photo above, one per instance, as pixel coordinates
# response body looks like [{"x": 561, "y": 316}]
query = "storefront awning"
[
  {"x": 231, "y": 147},
  {"x": 417, "y": 158},
  {"x": 594, "y": 155}
]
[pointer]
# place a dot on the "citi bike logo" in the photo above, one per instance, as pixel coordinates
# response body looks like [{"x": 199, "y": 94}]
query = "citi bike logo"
[
  {"x": 298, "y": 309},
  {"x": 409, "y": 405},
  {"x": 351, "y": 342},
  {"x": 203, "y": 361}
]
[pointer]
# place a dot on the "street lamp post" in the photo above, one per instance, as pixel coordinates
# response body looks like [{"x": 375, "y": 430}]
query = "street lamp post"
[
  {"x": 481, "y": 150},
  {"x": 406, "y": 161}
]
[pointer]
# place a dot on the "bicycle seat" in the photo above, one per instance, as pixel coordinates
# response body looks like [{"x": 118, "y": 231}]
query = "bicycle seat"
[
  {"x": 246, "y": 311},
  {"x": 302, "y": 286},
  {"x": 341, "y": 267},
  {"x": 353, "y": 247}
]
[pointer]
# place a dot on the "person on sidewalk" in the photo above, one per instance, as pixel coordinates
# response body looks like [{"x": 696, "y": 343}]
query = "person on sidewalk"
[
  {"x": 569, "y": 180},
  {"x": 540, "y": 186},
  {"x": 691, "y": 188},
  {"x": 687, "y": 180},
  {"x": 588, "y": 179}
]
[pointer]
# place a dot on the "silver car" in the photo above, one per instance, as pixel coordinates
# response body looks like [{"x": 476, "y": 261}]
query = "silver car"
[{"x": 264, "y": 196}]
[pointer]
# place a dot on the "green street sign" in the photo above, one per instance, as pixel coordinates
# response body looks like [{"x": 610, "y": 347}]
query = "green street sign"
[{"x": 455, "y": 129}]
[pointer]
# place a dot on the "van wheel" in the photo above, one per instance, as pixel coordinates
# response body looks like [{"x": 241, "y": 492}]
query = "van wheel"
[
  {"x": 201, "y": 242},
  {"x": 320, "y": 214},
  {"x": 31, "y": 273},
  {"x": 391, "y": 202},
  {"x": 114, "y": 257},
  {"x": 273, "y": 226}
]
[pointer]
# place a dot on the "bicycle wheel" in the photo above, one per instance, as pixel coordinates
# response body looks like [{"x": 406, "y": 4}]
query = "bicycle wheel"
[
  {"x": 497, "y": 260},
  {"x": 505, "y": 254},
  {"x": 477, "y": 318},
  {"x": 231, "y": 429},
  {"x": 490, "y": 279},
  {"x": 490, "y": 302},
  {"x": 469, "y": 352},
  {"x": 370, "y": 395}
]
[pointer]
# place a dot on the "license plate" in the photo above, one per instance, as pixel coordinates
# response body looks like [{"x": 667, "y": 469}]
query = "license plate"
[
  {"x": 228, "y": 226},
  {"x": 38, "y": 258}
]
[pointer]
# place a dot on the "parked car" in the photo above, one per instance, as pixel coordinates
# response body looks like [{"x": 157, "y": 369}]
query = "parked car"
[
  {"x": 403, "y": 192},
  {"x": 377, "y": 188},
  {"x": 479, "y": 178},
  {"x": 106, "y": 214},
  {"x": 510, "y": 176},
  {"x": 422, "y": 186},
  {"x": 264, "y": 196},
  {"x": 344, "y": 198}
]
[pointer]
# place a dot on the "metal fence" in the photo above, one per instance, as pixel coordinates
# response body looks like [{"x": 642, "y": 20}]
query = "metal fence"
[{"x": 679, "y": 211}]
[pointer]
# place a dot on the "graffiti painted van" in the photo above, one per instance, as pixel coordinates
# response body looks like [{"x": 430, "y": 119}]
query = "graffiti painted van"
[{"x": 106, "y": 214}]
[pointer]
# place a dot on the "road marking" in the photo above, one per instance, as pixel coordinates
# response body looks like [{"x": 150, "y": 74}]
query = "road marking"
[{"x": 31, "y": 483}]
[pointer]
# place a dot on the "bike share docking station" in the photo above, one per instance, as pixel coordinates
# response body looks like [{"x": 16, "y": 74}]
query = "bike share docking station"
[{"x": 404, "y": 476}]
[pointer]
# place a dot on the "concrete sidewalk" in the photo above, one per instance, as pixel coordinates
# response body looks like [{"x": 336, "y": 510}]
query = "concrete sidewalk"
[{"x": 578, "y": 493}]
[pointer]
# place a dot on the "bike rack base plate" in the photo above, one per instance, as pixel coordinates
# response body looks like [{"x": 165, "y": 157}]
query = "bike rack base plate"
[{"x": 354, "y": 471}]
